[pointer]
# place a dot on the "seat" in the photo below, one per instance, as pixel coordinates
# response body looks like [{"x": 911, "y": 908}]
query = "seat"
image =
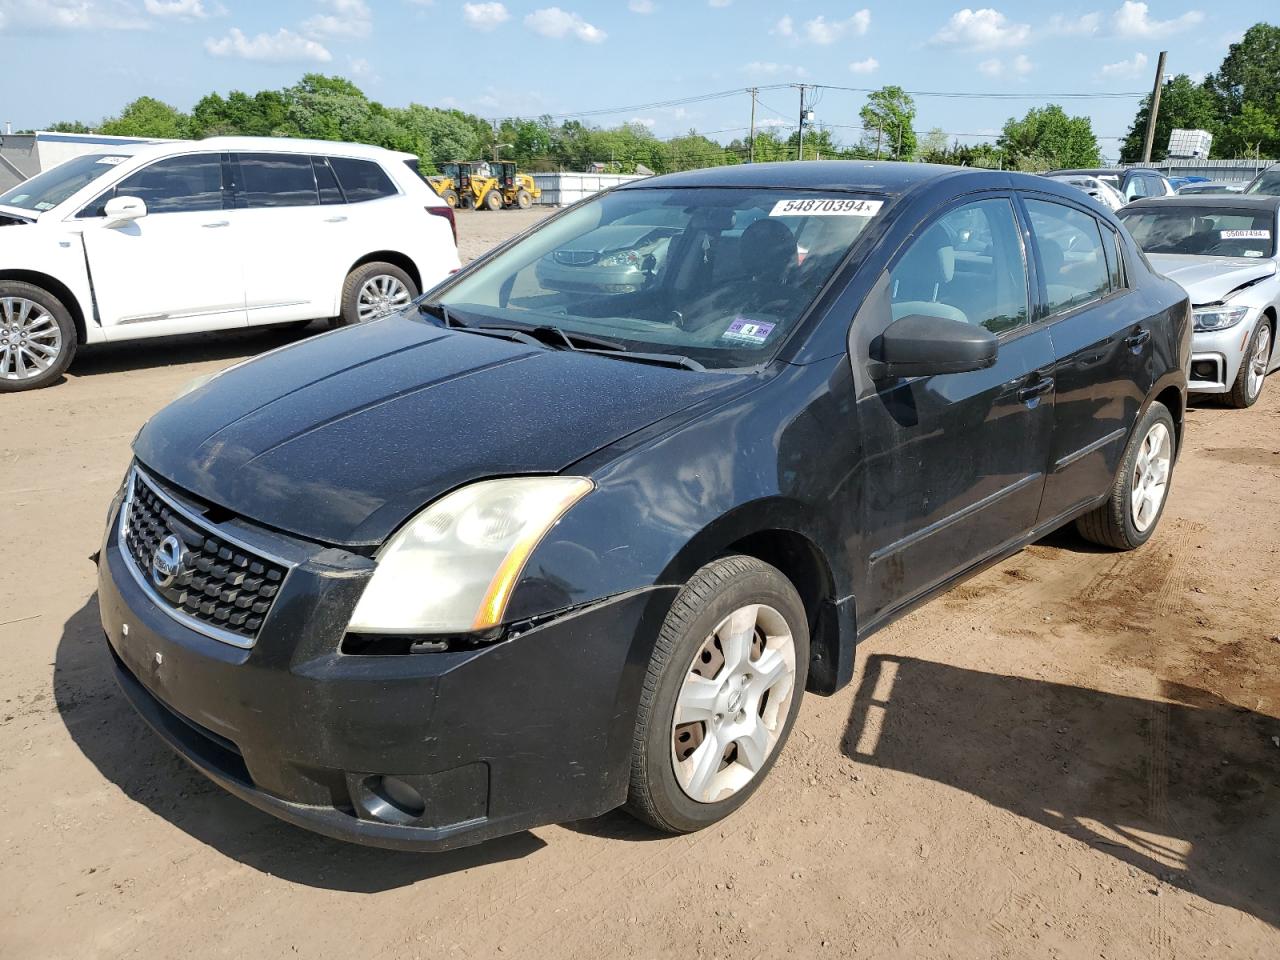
[{"x": 921, "y": 276}]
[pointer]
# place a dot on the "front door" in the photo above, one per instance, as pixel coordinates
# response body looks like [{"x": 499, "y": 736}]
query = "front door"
[
  {"x": 954, "y": 464},
  {"x": 175, "y": 270},
  {"x": 1103, "y": 352}
]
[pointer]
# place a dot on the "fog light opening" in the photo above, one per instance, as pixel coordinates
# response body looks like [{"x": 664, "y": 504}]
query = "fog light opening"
[{"x": 394, "y": 801}]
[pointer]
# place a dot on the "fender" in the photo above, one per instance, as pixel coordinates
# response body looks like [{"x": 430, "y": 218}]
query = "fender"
[{"x": 55, "y": 261}]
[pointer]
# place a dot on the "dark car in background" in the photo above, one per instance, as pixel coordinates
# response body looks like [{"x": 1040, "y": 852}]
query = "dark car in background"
[
  {"x": 1267, "y": 182},
  {"x": 522, "y": 553}
]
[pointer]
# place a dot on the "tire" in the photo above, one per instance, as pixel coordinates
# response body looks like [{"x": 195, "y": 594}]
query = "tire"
[
  {"x": 466, "y": 202},
  {"x": 524, "y": 200},
  {"x": 1253, "y": 369},
  {"x": 450, "y": 197},
  {"x": 722, "y": 590},
  {"x": 37, "y": 337},
  {"x": 1114, "y": 524},
  {"x": 493, "y": 200},
  {"x": 360, "y": 292}
]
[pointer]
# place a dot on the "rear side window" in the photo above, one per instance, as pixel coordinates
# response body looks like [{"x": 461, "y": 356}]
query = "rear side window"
[
  {"x": 1115, "y": 258},
  {"x": 326, "y": 182},
  {"x": 276, "y": 180},
  {"x": 1072, "y": 255},
  {"x": 967, "y": 265},
  {"x": 175, "y": 185},
  {"x": 362, "y": 179}
]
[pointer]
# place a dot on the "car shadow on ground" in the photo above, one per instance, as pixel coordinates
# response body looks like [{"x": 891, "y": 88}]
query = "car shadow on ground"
[
  {"x": 125, "y": 751},
  {"x": 102, "y": 358},
  {"x": 1186, "y": 791}
]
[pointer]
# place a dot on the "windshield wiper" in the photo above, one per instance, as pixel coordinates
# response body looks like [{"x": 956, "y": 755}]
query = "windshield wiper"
[
  {"x": 657, "y": 359},
  {"x": 452, "y": 322}
]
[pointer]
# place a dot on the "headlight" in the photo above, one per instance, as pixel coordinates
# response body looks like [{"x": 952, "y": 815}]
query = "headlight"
[
  {"x": 451, "y": 569},
  {"x": 1219, "y": 318},
  {"x": 623, "y": 258}
]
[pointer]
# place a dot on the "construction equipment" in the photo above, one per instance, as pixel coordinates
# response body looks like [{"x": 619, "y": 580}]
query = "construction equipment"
[
  {"x": 485, "y": 185},
  {"x": 445, "y": 183},
  {"x": 518, "y": 189}
]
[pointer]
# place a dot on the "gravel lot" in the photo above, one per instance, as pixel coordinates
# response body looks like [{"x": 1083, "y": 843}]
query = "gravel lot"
[{"x": 1076, "y": 754}]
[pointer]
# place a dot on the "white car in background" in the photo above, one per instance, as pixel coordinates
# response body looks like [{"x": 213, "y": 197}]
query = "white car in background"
[
  {"x": 218, "y": 234},
  {"x": 1100, "y": 190}
]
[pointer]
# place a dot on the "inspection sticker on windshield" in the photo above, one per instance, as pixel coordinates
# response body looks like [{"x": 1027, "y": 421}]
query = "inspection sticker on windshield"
[
  {"x": 112, "y": 161},
  {"x": 826, "y": 207},
  {"x": 1246, "y": 234},
  {"x": 743, "y": 330}
]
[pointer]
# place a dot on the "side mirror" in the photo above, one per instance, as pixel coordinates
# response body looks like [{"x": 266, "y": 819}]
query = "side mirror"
[
  {"x": 924, "y": 346},
  {"x": 122, "y": 210}
]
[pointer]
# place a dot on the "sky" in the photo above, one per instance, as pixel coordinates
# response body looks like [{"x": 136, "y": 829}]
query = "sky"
[{"x": 84, "y": 59}]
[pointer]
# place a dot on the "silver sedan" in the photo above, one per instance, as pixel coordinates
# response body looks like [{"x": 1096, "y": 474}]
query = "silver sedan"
[{"x": 1223, "y": 250}]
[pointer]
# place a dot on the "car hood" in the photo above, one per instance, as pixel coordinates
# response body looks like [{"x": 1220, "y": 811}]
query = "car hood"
[
  {"x": 1210, "y": 279},
  {"x": 613, "y": 237},
  {"x": 341, "y": 437}
]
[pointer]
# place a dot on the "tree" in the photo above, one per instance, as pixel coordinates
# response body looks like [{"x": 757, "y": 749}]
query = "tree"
[
  {"x": 1184, "y": 105},
  {"x": 1046, "y": 138},
  {"x": 149, "y": 117},
  {"x": 887, "y": 119},
  {"x": 69, "y": 126},
  {"x": 1250, "y": 73},
  {"x": 934, "y": 142},
  {"x": 1253, "y": 132}
]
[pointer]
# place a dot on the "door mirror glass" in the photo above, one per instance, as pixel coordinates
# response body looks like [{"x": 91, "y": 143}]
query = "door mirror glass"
[
  {"x": 122, "y": 210},
  {"x": 918, "y": 345}
]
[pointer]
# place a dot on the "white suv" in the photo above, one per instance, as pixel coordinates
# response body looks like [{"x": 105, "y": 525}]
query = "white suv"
[{"x": 229, "y": 232}]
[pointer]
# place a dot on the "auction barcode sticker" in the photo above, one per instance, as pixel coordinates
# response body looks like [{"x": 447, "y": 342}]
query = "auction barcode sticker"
[
  {"x": 1246, "y": 234},
  {"x": 826, "y": 207},
  {"x": 112, "y": 161}
]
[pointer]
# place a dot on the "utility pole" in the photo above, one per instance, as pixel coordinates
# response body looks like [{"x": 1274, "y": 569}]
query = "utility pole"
[
  {"x": 1155, "y": 108},
  {"x": 879, "y": 137},
  {"x": 751, "y": 144},
  {"x": 800, "y": 145}
]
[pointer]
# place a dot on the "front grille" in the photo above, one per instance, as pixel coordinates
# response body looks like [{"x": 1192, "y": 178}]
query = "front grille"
[
  {"x": 576, "y": 258},
  {"x": 220, "y": 587}
]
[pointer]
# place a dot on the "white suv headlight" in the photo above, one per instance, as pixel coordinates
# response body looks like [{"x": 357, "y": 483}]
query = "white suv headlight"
[
  {"x": 451, "y": 569},
  {"x": 1219, "y": 318}
]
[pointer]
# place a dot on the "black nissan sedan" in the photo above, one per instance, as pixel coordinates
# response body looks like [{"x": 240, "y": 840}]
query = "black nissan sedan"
[{"x": 522, "y": 554}]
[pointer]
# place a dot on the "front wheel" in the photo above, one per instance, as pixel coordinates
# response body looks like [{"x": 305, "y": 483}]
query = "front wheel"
[
  {"x": 1253, "y": 368},
  {"x": 720, "y": 696},
  {"x": 524, "y": 200},
  {"x": 37, "y": 337},
  {"x": 373, "y": 291},
  {"x": 493, "y": 200},
  {"x": 1129, "y": 516}
]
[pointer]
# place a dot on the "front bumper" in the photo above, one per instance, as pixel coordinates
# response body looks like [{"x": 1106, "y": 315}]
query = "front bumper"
[
  {"x": 1216, "y": 356},
  {"x": 532, "y": 730}
]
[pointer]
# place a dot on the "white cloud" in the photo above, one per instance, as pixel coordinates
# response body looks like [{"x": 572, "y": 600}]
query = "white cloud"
[
  {"x": 283, "y": 46},
  {"x": 485, "y": 16},
  {"x": 984, "y": 29},
  {"x": 784, "y": 27},
  {"x": 71, "y": 15},
  {"x": 770, "y": 69},
  {"x": 822, "y": 31},
  {"x": 773, "y": 122},
  {"x": 1019, "y": 66},
  {"x": 1085, "y": 25},
  {"x": 359, "y": 66},
  {"x": 642, "y": 121},
  {"x": 181, "y": 9},
  {"x": 991, "y": 68},
  {"x": 641, "y": 6},
  {"x": 1132, "y": 20},
  {"x": 1125, "y": 68},
  {"x": 558, "y": 24},
  {"x": 346, "y": 18},
  {"x": 1022, "y": 65},
  {"x": 869, "y": 65}
]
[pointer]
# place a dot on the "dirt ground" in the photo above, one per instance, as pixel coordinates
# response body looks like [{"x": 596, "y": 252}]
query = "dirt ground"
[{"x": 1076, "y": 754}]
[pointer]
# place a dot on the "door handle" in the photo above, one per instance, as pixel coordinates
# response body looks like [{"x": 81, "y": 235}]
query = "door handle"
[
  {"x": 1138, "y": 339},
  {"x": 217, "y": 223},
  {"x": 1034, "y": 390},
  {"x": 335, "y": 220}
]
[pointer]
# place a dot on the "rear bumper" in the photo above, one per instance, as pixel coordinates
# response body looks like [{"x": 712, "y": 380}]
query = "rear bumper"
[{"x": 533, "y": 730}]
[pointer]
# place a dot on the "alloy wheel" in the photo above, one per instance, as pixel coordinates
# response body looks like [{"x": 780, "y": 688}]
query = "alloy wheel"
[
  {"x": 1258, "y": 361},
  {"x": 1151, "y": 476},
  {"x": 379, "y": 296},
  {"x": 733, "y": 703},
  {"x": 30, "y": 339}
]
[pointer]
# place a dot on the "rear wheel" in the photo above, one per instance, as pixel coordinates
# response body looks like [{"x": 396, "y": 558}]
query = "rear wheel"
[
  {"x": 1253, "y": 369},
  {"x": 493, "y": 200},
  {"x": 450, "y": 197},
  {"x": 37, "y": 337},
  {"x": 374, "y": 290},
  {"x": 720, "y": 696},
  {"x": 1129, "y": 516},
  {"x": 523, "y": 200}
]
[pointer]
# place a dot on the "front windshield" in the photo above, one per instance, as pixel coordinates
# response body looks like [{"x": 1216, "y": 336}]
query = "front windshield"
[
  {"x": 1268, "y": 183},
  {"x": 1202, "y": 231},
  {"x": 46, "y": 190},
  {"x": 718, "y": 275}
]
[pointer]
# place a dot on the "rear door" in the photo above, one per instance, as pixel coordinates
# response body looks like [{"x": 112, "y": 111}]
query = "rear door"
[
  {"x": 1102, "y": 345},
  {"x": 955, "y": 464},
  {"x": 178, "y": 268}
]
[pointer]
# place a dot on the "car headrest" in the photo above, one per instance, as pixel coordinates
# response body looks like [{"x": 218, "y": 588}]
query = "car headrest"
[
  {"x": 767, "y": 249},
  {"x": 1053, "y": 257}
]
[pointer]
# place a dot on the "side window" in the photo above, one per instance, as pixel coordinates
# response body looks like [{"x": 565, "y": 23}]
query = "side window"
[
  {"x": 326, "y": 182},
  {"x": 175, "y": 185},
  {"x": 1137, "y": 188},
  {"x": 276, "y": 180},
  {"x": 1071, "y": 253},
  {"x": 1115, "y": 258},
  {"x": 967, "y": 265},
  {"x": 362, "y": 179}
]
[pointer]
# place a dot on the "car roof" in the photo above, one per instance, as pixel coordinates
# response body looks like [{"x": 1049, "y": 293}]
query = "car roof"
[
  {"x": 872, "y": 176},
  {"x": 254, "y": 145},
  {"x": 1095, "y": 171},
  {"x": 1220, "y": 200}
]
